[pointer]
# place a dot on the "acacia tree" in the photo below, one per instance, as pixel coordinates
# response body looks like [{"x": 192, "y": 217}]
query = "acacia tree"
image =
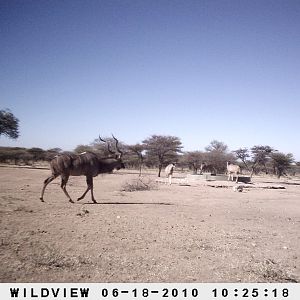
[
  {"x": 163, "y": 149},
  {"x": 106, "y": 145},
  {"x": 281, "y": 162},
  {"x": 243, "y": 155},
  {"x": 138, "y": 150},
  {"x": 9, "y": 124},
  {"x": 217, "y": 155},
  {"x": 83, "y": 148},
  {"x": 260, "y": 157},
  {"x": 193, "y": 160},
  {"x": 217, "y": 146}
]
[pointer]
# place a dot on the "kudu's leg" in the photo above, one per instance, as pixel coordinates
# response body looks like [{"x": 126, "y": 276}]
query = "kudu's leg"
[
  {"x": 46, "y": 182},
  {"x": 237, "y": 177},
  {"x": 64, "y": 181},
  {"x": 92, "y": 190},
  {"x": 89, "y": 182},
  {"x": 170, "y": 179}
]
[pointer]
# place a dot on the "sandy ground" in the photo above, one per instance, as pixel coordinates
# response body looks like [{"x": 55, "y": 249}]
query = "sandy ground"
[{"x": 177, "y": 233}]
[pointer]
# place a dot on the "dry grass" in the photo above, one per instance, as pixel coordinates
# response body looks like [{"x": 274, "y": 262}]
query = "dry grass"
[
  {"x": 139, "y": 184},
  {"x": 268, "y": 270},
  {"x": 150, "y": 232}
]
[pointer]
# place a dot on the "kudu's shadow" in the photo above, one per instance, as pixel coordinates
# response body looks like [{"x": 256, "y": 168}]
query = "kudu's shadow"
[{"x": 126, "y": 203}]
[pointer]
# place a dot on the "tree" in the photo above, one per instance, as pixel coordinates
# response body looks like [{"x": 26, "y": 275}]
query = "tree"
[
  {"x": 37, "y": 153},
  {"x": 138, "y": 150},
  {"x": 12, "y": 154},
  {"x": 243, "y": 154},
  {"x": 260, "y": 157},
  {"x": 9, "y": 124},
  {"x": 193, "y": 160},
  {"x": 217, "y": 146},
  {"x": 281, "y": 162},
  {"x": 51, "y": 153},
  {"x": 83, "y": 148},
  {"x": 104, "y": 148},
  {"x": 217, "y": 155},
  {"x": 163, "y": 149}
]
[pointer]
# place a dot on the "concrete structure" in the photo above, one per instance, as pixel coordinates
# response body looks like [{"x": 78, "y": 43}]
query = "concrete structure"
[{"x": 220, "y": 177}]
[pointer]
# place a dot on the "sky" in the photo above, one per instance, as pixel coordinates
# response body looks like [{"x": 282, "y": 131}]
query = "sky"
[{"x": 200, "y": 70}]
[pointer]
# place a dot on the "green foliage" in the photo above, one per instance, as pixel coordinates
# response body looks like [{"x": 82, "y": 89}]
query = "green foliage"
[
  {"x": 83, "y": 148},
  {"x": 217, "y": 156},
  {"x": 217, "y": 146},
  {"x": 260, "y": 157},
  {"x": 281, "y": 162},
  {"x": 37, "y": 153},
  {"x": 12, "y": 154},
  {"x": 25, "y": 156},
  {"x": 243, "y": 155},
  {"x": 102, "y": 148},
  {"x": 162, "y": 150},
  {"x": 9, "y": 124},
  {"x": 192, "y": 160}
]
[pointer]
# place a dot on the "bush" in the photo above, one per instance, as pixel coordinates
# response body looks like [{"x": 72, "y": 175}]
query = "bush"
[{"x": 139, "y": 184}]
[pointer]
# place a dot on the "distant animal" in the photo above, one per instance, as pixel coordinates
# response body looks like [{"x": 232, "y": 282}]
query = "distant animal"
[
  {"x": 233, "y": 170},
  {"x": 205, "y": 167},
  {"x": 169, "y": 172},
  {"x": 87, "y": 164}
]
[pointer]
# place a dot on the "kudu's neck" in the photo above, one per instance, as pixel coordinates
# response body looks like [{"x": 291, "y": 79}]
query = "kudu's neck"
[{"x": 109, "y": 164}]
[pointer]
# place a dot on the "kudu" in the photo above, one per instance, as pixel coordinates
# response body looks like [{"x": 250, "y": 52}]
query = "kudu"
[
  {"x": 87, "y": 164},
  {"x": 169, "y": 172},
  {"x": 233, "y": 170}
]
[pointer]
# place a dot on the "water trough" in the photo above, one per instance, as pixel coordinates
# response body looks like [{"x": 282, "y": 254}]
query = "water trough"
[{"x": 217, "y": 177}]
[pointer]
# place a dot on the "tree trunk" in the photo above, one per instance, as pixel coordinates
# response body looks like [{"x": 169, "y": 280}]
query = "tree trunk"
[
  {"x": 246, "y": 165},
  {"x": 159, "y": 170},
  {"x": 252, "y": 171},
  {"x": 140, "y": 162}
]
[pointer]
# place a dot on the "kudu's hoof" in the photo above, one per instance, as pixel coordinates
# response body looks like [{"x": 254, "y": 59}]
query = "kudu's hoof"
[
  {"x": 71, "y": 201},
  {"x": 42, "y": 199}
]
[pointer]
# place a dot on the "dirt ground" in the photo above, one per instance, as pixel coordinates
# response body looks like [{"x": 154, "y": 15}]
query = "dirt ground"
[{"x": 176, "y": 233}]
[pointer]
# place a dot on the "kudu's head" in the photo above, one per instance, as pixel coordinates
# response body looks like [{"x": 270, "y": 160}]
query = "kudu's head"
[{"x": 116, "y": 155}]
